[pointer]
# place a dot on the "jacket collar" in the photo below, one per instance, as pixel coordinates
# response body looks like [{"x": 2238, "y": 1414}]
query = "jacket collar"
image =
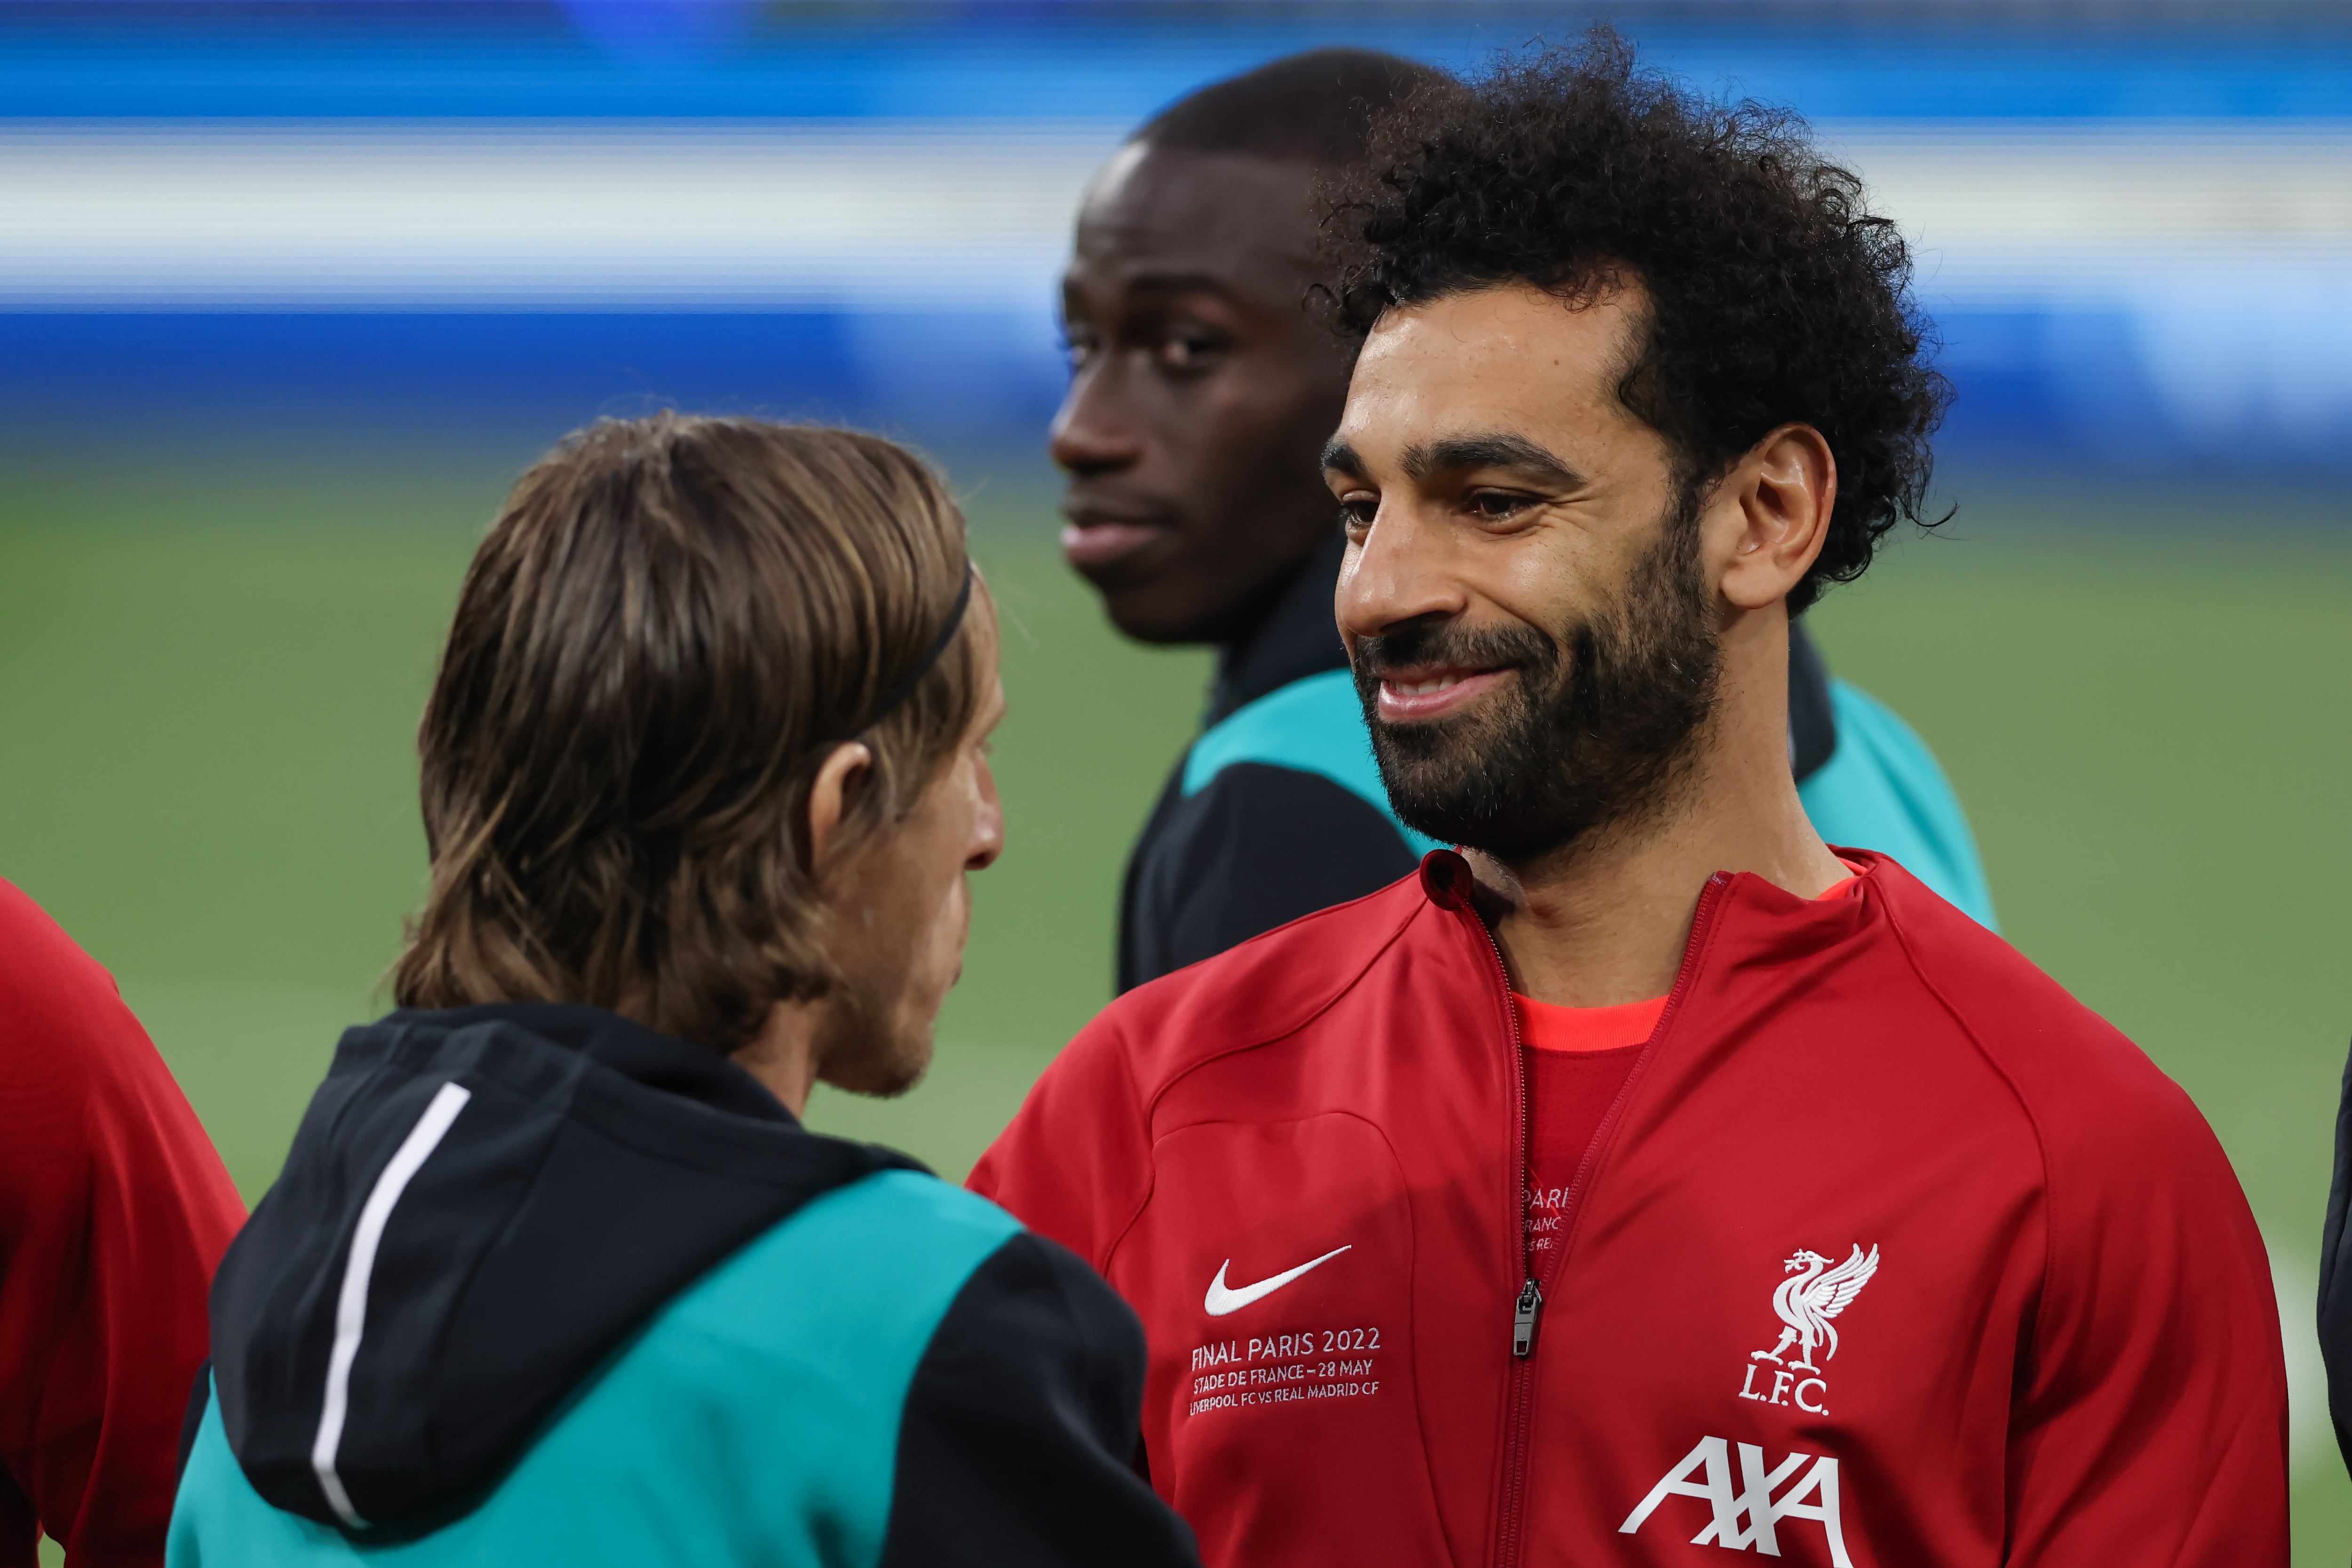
[{"x": 1447, "y": 881}]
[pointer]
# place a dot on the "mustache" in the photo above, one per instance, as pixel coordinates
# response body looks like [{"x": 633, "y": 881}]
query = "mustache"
[{"x": 1434, "y": 642}]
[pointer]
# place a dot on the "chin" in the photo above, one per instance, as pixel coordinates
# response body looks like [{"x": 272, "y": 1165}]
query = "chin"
[
  {"x": 885, "y": 1072},
  {"x": 1164, "y": 619},
  {"x": 1157, "y": 634},
  {"x": 881, "y": 1049}
]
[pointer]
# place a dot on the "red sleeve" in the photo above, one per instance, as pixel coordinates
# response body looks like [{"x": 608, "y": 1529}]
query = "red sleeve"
[
  {"x": 113, "y": 1211},
  {"x": 1075, "y": 1164},
  {"x": 2150, "y": 1426}
]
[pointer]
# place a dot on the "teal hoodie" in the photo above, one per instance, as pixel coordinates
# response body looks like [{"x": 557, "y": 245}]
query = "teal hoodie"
[{"x": 541, "y": 1285}]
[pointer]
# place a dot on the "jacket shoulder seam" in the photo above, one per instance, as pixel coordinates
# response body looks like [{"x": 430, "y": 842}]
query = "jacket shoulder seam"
[
  {"x": 1142, "y": 1114},
  {"x": 1293, "y": 1026},
  {"x": 2025, "y": 1109},
  {"x": 1149, "y": 1108}
]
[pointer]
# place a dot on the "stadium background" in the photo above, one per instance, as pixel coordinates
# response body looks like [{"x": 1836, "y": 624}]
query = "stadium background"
[{"x": 289, "y": 293}]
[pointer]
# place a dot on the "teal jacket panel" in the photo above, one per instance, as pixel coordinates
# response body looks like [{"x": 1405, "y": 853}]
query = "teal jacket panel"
[
  {"x": 1882, "y": 789},
  {"x": 1314, "y": 726},
  {"x": 754, "y": 1422}
]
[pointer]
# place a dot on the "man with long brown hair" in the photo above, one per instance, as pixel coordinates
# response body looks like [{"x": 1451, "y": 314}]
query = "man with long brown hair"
[{"x": 554, "y": 1273}]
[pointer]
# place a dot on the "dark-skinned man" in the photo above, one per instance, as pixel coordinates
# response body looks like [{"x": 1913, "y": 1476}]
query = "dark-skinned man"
[{"x": 1204, "y": 385}]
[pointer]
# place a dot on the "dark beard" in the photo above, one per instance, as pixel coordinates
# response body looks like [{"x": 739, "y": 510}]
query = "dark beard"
[{"x": 1559, "y": 752}]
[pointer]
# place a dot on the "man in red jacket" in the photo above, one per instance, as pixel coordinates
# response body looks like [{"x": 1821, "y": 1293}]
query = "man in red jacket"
[
  {"x": 113, "y": 1211},
  {"x": 1648, "y": 1180}
]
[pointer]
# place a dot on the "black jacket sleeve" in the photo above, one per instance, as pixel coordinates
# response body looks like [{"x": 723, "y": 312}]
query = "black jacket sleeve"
[
  {"x": 1259, "y": 847},
  {"x": 1020, "y": 1429},
  {"x": 2336, "y": 1278}
]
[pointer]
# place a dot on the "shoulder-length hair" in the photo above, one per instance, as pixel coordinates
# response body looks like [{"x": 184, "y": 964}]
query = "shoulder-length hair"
[{"x": 671, "y": 625}]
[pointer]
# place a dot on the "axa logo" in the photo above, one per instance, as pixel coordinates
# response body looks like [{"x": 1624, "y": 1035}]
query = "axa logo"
[
  {"x": 1746, "y": 1515},
  {"x": 1812, "y": 1293}
]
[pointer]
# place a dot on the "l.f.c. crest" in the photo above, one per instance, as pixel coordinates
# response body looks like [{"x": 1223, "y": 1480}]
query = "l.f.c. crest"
[{"x": 1812, "y": 1295}]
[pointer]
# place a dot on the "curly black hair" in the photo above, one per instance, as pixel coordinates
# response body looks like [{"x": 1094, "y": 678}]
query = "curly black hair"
[{"x": 1774, "y": 296}]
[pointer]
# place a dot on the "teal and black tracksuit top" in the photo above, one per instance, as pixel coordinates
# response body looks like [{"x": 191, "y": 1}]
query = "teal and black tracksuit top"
[
  {"x": 1278, "y": 810},
  {"x": 541, "y": 1285}
]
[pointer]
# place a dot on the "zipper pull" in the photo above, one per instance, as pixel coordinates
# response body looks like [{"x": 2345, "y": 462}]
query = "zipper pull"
[{"x": 1523, "y": 1320}]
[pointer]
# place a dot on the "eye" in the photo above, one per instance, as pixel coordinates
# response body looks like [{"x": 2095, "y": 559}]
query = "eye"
[
  {"x": 1078, "y": 345},
  {"x": 1497, "y": 506},
  {"x": 1357, "y": 512},
  {"x": 1185, "y": 349}
]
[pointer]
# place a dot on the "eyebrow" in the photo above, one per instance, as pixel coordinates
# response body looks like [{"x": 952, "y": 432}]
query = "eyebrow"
[
  {"x": 1340, "y": 458},
  {"x": 1498, "y": 449},
  {"x": 1161, "y": 283},
  {"x": 1180, "y": 283}
]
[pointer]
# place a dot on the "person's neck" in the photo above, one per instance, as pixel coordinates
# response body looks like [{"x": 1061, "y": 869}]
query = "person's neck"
[
  {"x": 782, "y": 1056},
  {"x": 1605, "y": 920},
  {"x": 1287, "y": 637}
]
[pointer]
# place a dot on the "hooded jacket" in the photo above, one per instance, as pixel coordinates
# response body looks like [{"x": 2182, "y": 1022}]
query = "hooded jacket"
[
  {"x": 2336, "y": 1276},
  {"x": 1887, "y": 1253},
  {"x": 539, "y": 1284},
  {"x": 1277, "y": 808}
]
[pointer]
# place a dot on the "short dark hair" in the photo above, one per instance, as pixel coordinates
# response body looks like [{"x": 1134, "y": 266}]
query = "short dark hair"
[
  {"x": 1315, "y": 107},
  {"x": 1774, "y": 295},
  {"x": 672, "y": 623}
]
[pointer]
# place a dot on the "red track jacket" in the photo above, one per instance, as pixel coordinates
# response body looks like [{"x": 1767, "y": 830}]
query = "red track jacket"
[
  {"x": 1889, "y": 1252},
  {"x": 113, "y": 1211}
]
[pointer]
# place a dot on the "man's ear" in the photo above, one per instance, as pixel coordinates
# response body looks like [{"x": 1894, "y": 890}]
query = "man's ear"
[
  {"x": 1785, "y": 489},
  {"x": 838, "y": 779}
]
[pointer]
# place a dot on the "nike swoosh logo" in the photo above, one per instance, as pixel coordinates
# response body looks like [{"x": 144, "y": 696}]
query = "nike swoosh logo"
[{"x": 1222, "y": 1300}]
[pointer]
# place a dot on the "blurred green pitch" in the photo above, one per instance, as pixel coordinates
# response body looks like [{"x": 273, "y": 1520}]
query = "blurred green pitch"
[{"x": 209, "y": 683}]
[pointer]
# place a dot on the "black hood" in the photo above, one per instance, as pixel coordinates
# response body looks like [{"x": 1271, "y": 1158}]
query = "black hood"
[{"x": 524, "y": 1224}]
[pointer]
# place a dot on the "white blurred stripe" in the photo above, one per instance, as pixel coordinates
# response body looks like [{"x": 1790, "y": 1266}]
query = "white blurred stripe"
[
  {"x": 2086, "y": 211},
  {"x": 544, "y": 216},
  {"x": 873, "y": 216}
]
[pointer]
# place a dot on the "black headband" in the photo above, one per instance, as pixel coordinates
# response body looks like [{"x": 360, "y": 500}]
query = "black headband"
[{"x": 922, "y": 666}]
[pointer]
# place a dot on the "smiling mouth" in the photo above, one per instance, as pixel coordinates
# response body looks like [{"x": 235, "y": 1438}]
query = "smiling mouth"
[{"x": 1410, "y": 696}]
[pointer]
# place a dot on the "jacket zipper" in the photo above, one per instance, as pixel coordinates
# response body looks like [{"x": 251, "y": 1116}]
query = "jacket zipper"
[
  {"x": 1529, "y": 1305},
  {"x": 1528, "y": 1308}
]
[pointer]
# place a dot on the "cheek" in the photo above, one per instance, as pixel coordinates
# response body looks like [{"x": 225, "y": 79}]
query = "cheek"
[
  {"x": 1253, "y": 419},
  {"x": 945, "y": 897},
  {"x": 935, "y": 958},
  {"x": 908, "y": 893},
  {"x": 1556, "y": 578},
  {"x": 954, "y": 923}
]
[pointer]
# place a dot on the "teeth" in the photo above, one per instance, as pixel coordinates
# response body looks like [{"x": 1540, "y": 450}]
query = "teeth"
[{"x": 1423, "y": 688}]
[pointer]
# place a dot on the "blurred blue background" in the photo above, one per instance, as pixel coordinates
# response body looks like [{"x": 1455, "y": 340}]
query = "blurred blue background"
[
  {"x": 290, "y": 292},
  {"x": 2132, "y": 222}
]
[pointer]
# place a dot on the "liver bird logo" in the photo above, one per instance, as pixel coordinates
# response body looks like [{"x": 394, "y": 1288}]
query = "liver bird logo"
[{"x": 1812, "y": 1295}]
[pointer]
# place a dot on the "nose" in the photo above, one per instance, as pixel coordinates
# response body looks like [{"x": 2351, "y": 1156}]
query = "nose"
[
  {"x": 987, "y": 824},
  {"x": 1091, "y": 433},
  {"x": 1397, "y": 572}
]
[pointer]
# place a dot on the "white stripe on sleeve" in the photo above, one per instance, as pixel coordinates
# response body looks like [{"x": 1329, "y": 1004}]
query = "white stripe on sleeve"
[{"x": 350, "y": 1307}]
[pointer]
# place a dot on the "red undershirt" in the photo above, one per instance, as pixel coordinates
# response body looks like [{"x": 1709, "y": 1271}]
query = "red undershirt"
[{"x": 1577, "y": 1060}]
